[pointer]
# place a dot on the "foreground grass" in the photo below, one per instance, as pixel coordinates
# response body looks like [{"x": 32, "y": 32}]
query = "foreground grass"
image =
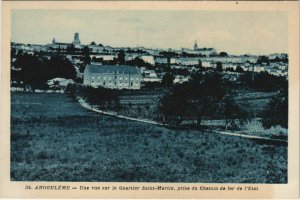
[{"x": 54, "y": 139}]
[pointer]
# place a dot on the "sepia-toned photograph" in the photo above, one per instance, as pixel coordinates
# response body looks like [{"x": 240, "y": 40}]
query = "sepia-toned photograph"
[{"x": 149, "y": 96}]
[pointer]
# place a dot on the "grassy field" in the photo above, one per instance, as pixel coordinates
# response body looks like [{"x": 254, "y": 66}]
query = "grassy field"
[
  {"x": 143, "y": 104},
  {"x": 140, "y": 104},
  {"x": 254, "y": 102},
  {"x": 55, "y": 139}
]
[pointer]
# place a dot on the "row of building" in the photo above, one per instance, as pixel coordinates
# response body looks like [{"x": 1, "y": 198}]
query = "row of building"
[{"x": 100, "y": 74}]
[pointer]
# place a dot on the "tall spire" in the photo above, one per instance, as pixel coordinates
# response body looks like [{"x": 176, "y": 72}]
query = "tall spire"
[{"x": 195, "y": 45}]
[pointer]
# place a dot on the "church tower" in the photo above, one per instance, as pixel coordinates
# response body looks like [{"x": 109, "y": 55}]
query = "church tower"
[
  {"x": 195, "y": 45},
  {"x": 76, "y": 40}
]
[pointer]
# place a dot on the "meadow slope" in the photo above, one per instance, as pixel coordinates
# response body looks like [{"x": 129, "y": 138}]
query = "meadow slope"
[{"x": 55, "y": 139}]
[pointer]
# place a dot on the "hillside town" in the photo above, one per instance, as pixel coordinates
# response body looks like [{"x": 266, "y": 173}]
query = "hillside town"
[
  {"x": 151, "y": 64},
  {"x": 101, "y": 105}
]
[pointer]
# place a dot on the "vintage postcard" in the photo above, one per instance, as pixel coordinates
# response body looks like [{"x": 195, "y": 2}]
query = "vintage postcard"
[{"x": 150, "y": 99}]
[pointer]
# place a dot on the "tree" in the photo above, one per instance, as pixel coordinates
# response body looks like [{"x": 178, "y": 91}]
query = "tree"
[
  {"x": 239, "y": 69},
  {"x": 230, "y": 69},
  {"x": 70, "y": 48},
  {"x": 232, "y": 110},
  {"x": 285, "y": 59},
  {"x": 121, "y": 58},
  {"x": 20, "y": 52},
  {"x": 173, "y": 105},
  {"x": 86, "y": 59},
  {"x": 13, "y": 52},
  {"x": 219, "y": 67},
  {"x": 92, "y": 96},
  {"x": 71, "y": 91},
  {"x": 223, "y": 54},
  {"x": 36, "y": 71},
  {"x": 276, "y": 112},
  {"x": 167, "y": 80},
  {"x": 93, "y": 43},
  {"x": 263, "y": 81},
  {"x": 199, "y": 66},
  {"x": 100, "y": 97},
  {"x": 263, "y": 59},
  {"x": 138, "y": 62},
  {"x": 168, "y": 54},
  {"x": 86, "y": 50},
  {"x": 206, "y": 96},
  {"x": 59, "y": 66},
  {"x": 32, "y": 72},
  {"x": 229, "y": 109},
  {"x": 201, "y": 97}
]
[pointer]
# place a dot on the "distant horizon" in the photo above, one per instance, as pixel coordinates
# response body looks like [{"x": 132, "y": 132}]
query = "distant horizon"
[
  {"x": 234, "y": 32},
  {"x": 218, "y": 51}
]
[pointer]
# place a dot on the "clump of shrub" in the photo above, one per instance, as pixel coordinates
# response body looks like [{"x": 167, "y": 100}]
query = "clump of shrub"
[
  {"x": 278, "y": 131},
  {"x": 252, "y": 126},
  {"x": 255, "y": 127}
]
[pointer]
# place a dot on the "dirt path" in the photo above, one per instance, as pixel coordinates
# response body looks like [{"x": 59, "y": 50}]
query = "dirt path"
[{"x": 87, "y": 106}]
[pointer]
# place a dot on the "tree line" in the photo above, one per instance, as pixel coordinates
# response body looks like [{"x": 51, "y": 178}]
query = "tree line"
[
  {"x": 263, "y": 81},
  {"x": 205, "y": 96},
  {"x": 36, "y": 71},
  {"x": 100, "y": 97},
  {"x": 210, "y": 97}
]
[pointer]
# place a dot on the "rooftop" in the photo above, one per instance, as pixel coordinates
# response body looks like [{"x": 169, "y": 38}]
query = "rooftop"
[
  {"x": 62, "y": 43},
  {"x": 112, "y": 69}
]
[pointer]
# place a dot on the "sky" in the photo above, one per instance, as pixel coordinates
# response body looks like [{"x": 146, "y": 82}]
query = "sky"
[{"x": 235, "y": 32}]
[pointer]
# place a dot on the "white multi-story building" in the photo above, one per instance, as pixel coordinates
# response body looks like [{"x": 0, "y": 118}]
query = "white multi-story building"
[
  {"x": 112, "y": 76},
  {"x": 148, "y": 59},
  {"x": 150, "y": 76}
]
